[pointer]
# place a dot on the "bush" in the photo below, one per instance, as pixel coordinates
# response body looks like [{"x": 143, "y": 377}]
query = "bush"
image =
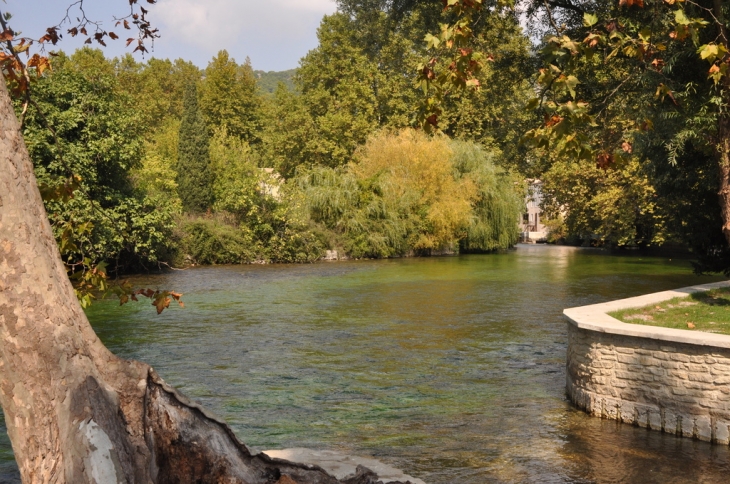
[
  {"x": 410, "y": 193},
  {"x": 213, "y": 240}
]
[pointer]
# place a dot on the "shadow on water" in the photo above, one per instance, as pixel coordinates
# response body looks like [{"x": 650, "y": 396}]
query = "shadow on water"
[{"x": 452, "y": 369}]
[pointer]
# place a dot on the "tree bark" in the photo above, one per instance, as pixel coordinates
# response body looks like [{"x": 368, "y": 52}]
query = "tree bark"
[
  {"x": 723, "y": 160},
  {"x": 75, "y": 412}
]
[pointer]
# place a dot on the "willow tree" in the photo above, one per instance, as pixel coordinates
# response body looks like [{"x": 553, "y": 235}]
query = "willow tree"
[{"x": 75, "y": 412}]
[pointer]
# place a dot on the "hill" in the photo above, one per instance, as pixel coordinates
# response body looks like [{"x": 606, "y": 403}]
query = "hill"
[{"x": 268, "y": 81}]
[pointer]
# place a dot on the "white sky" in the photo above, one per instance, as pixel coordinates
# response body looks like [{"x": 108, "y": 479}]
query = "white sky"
[{"x": 275, "y": 34}]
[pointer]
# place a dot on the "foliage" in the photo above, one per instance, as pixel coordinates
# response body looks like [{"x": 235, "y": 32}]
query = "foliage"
[
  {"x": 291, "y": 138},
  {"x": 360, "y": 80},
  {"x": 156, "y": 176},
  {"x": 405, "y": 193},
  {"x": 228, "y": 97},
  {"x": 95, "y": 139},
  {"x": 254, "y": 217},
  {"x": 618, "y": 206},
  {"x": 499, "y": 201},
  {"x": 213, "y": 240},
  {"x": 421, "y": 169},
  {"x": 647, "y": 80},
  {"x": 268, "y": 82},
  {"x": 237, "y": 177},
  {"x": 336, "y": 101},
  {"x": 157, "y": 88},
  {"x": 194, "y": 176}
]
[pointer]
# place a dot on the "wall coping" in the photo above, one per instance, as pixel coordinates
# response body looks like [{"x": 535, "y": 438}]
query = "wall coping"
[{"x": 595, "y": 318}]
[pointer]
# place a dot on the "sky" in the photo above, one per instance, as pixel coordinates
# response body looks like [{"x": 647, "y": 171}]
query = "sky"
[{"x": 274, "y": 34}]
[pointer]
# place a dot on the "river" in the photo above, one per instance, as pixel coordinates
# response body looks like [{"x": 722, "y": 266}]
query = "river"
[{"x": 450, "y": 368}]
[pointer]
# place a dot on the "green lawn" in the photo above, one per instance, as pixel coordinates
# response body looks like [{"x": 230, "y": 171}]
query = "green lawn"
[{"x": 703, "y": 311}]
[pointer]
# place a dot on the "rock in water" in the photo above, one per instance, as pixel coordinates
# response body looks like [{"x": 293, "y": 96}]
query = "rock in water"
[{"x": 346, "y": 468}]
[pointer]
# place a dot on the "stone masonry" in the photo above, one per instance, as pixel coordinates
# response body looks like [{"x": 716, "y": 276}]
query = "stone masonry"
[
  {"x": 663, "y": 379},
  {"x": 676, "y": 388}
]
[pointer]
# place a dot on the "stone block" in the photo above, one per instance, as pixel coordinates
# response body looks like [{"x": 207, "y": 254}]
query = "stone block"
[
  {"x": 671, "y": 423},
  {"x": 680, "y": 374},
  {"x": 628, "y": 359},
  {"x": 657, "y": 371},
  {"x": 628, "y": 412},
  {"x": 679, "y": 357},
  {"x": 688, "y": 426},
  {"x": 625, "y": 351},
  {"x": 674, "y": 365},
  {"x": 719, "y": 370},
  {"x": 698, "y": 368},
  {"x": 618, "y": 383},
  {"x": 701, "y": 377},
  {"x": 699, "y": 388},
  {"x": 654, "y": 419},
  {"x": 722, "y": 432},
  {"x": 660, "y": 355},
  {"x": 625, "y": 375},
  {"x": 599, "y": 380},
  {"x": 649, "y": 361},
  {"x": 703, "y": 428}
]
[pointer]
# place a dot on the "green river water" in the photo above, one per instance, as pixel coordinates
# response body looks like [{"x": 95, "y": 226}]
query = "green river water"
[{"x": 451, "y": 368}]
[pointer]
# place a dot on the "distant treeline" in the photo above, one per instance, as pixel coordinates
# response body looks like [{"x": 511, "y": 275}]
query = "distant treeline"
[{"x": 269, "y": 81}]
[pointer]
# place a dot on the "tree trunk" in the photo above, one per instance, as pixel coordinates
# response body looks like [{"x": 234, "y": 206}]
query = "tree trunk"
[
  {"x": 75, "y": 412},
  {"x": 723, "y": 160}
]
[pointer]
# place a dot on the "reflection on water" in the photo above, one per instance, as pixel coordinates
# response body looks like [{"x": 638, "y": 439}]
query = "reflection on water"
[{"x": 449, "y": 368}]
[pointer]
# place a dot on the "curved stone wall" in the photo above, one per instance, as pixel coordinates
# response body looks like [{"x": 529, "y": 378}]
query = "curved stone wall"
[{"x": 664, "y": 379}]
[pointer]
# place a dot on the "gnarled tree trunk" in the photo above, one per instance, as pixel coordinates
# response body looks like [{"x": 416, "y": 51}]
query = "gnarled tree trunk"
[{"x": 75, "y": 412}]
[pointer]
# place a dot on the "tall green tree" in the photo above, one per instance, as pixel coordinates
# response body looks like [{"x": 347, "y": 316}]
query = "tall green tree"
[
  {"x": 360, "y": 79},
  {"x": 229, "y": 98},
  {"x": 194, "y": 175},
  {"x": 157, "y": 87}
]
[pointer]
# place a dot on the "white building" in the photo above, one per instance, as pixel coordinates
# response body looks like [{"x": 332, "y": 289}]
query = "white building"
[{"x": 531, "y": 226}]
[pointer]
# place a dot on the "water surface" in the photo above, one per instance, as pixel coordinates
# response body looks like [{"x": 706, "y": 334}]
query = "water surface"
[{"x": 452, "y": 368}]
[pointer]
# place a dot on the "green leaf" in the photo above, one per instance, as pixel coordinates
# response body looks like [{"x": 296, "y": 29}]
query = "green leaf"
[
  {"x": 681, "y": 18},
  {"x": 590, "y": 19},
  {"x": 432, "y": 41},
  {"x": 571, "y": 82}
]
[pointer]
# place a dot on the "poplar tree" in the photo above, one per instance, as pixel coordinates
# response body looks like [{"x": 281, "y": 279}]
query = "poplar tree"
[{"x": 194, "y": 177}]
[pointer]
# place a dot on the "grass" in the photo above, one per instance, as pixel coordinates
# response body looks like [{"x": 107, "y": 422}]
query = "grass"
[{"x": 707, "y": 311}]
